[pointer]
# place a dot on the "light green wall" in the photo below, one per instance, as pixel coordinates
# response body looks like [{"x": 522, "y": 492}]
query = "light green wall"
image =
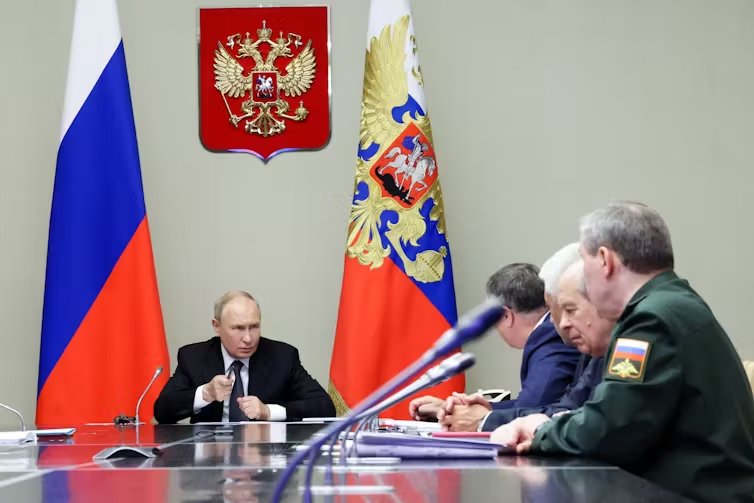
[{"x": 541, "y": 110}]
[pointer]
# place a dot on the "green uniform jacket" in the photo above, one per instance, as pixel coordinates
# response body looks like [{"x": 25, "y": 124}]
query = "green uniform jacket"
[{"x": 674, "y": 405}]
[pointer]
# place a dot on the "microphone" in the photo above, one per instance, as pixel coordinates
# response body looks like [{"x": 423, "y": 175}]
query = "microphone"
[
  {"x": 471, "y": 326},
  {"x": 157, "y": 373},
  {"x": 126, "y": 451},
  {"x": 122, "y": 419},
  {"x": 23, "y": 424},
  {"x": 441, "y": 372},
  {"x": 26, "y": 435}
]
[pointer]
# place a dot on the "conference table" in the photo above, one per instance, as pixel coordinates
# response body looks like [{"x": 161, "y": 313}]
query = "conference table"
[{"x": 243, "y": 465}]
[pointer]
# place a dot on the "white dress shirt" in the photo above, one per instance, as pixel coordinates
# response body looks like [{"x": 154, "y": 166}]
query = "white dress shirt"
[{"x": 277, "y": 412}]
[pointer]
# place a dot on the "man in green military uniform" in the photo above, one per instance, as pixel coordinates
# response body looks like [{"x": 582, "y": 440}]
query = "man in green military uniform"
[{"x": 674, "y": 405}]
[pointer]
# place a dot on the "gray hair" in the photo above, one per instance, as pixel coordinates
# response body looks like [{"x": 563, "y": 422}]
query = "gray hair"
[
  {"x": 636, "y": 232},
  {"x": 576, "y": 269},
  {"x": 221, "y": 302},
  {"x": 519, "y": 287},
  {"x": 555, "y": 266}
]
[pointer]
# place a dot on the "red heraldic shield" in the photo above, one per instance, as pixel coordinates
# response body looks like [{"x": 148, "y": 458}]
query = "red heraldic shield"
[{"x": 264, "y": 79}]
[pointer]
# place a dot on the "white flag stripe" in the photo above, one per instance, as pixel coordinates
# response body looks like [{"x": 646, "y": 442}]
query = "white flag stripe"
[
  {"x": 96, "y": 35},
  {"x": 632, "y": 343},
  {"x": 384, "y": 13},
  {"x": 387, "y": 13}
]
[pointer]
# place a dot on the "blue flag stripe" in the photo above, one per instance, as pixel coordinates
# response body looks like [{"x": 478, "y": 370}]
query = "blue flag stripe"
[
  {"x": 97, "y": 205},
  {"x": 441, "y": 293}
]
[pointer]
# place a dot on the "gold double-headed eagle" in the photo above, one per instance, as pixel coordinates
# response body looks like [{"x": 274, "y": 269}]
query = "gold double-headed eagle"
[
  {"x": 625, "y": 369},
  {"x": 265, "y": 117},
  {"x": 385, "y": 89}
]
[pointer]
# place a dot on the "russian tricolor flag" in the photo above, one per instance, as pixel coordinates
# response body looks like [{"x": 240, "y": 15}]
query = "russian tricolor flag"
[
  {"x": 102, "y": 330},
  {"x": 398, "y": 294}
]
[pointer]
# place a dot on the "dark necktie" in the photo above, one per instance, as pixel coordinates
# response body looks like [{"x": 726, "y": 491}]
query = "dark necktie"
[{"x": 234, "y": 411}]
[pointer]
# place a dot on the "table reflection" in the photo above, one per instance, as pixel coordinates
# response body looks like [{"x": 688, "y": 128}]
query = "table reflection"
[
  {"x": 574, "y": 480},
  {"x": 259, "y": 445},
  {"x": 244, "y": 465}
]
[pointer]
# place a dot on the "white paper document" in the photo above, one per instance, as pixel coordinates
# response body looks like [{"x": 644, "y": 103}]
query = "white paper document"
[{"x": 17, "y": 437}]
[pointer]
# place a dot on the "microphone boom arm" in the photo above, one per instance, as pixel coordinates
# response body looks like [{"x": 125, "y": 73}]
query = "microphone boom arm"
[
  {"x": 23, "y": 424},
  {"x": 467, "y": 329},
  {"x": 157, "y": 373},
  {"x": 449, "y": 367}
]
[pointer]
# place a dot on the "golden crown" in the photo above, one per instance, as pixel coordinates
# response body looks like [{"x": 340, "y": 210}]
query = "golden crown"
[{"x": 264, "y": 33}]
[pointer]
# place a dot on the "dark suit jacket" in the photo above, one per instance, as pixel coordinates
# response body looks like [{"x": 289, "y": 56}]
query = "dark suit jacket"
[
  {"x": 587, "y": 378},
  {"x": 580, "y": 392},
  {"x": 276, "y": 376},
  {"x": 547, "y": 367}
]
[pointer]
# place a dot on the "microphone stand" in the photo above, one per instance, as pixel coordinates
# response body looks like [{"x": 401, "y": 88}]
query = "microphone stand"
[
  {"x": 124, "y": 451},
  {"x": 157, "y": 373},
  {"x": 334, "y": 430},
  {"x": 473, "y": 326},
  {"x": 153, "y": 451},
  {"x": 449, "y": 367},
  {"x": 131, "y": 451},
  {"x": 440, "y": 373}
]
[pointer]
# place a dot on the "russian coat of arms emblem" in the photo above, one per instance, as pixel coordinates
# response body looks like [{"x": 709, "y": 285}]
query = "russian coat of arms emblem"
[
  {"x": 264, "y": 79},
  {"x": 397, "y": 206}
]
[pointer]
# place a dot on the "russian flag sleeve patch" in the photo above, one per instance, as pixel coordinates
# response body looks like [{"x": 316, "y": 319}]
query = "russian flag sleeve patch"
[{"x": 628, "y": 360}]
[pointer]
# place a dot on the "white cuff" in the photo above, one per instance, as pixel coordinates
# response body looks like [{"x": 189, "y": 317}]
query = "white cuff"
[
  {"x": 277, "y": 412},
  {"x": 481, "y": 423},
  {"x": 199, "y": 402}
]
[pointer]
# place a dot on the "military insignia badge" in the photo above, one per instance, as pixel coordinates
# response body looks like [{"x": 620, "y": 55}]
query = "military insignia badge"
[
  {"x": 264, "y": 79},
  {"x": 628, "y": 359}
]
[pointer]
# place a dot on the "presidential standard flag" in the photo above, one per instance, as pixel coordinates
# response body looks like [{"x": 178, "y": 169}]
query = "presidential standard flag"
[
  {"x": 397, "y": 295},
  {"x": 102, "y": 330}
]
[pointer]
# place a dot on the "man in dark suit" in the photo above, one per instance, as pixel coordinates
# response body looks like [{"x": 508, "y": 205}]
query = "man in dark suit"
[
  {"x": 239, "y": 375},
  {"x": 583, "y": 328},
  {"x": 547, "y": 366}
]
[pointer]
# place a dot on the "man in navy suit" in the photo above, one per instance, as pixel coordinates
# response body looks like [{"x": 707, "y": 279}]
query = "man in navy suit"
[
  {"x": 239, "y": 375},
  {"x": 581, "y": 326},
  {"x": 547, "y": 366}
]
